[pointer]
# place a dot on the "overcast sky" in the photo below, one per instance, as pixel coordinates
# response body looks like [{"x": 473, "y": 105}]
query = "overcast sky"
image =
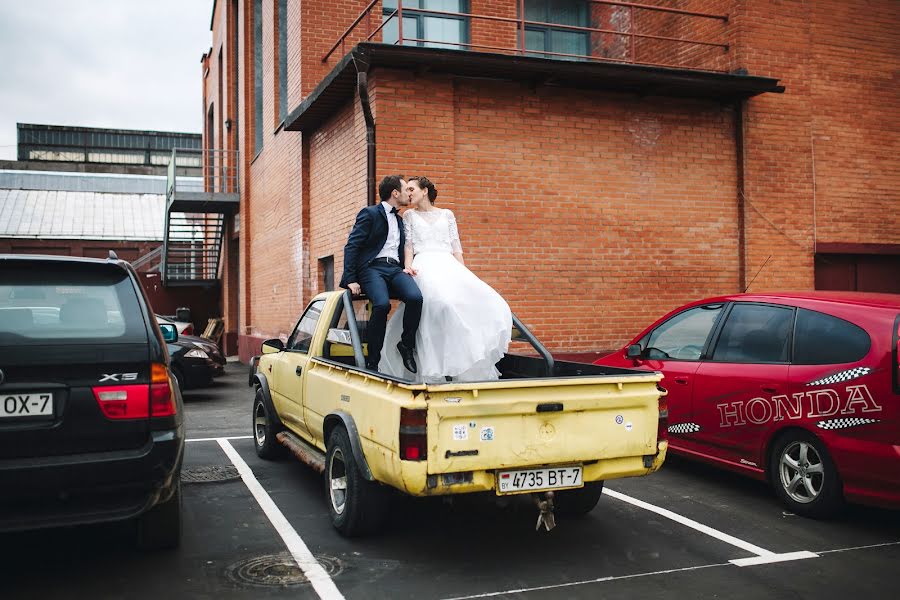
[{"x": 129, "y": 64}]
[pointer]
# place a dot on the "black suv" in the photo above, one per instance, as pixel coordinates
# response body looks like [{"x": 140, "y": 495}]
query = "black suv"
[{"x": 91, "y": 422}]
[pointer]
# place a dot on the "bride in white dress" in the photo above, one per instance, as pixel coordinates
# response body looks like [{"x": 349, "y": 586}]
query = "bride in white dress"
[{"x": 466, "y": 325}]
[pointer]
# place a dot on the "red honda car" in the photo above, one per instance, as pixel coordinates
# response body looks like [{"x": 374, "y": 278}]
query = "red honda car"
[{"x": 802, "y": 390}]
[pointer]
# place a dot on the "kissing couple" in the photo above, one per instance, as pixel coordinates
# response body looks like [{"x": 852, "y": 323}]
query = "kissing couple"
[{"x": 451, "y": 326}]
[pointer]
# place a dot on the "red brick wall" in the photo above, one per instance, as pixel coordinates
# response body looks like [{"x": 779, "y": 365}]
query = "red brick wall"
[
  {"x": 856, "y": 120},
  {"x": 591, "y": 213},
  {"x": 126, "y": 250}
]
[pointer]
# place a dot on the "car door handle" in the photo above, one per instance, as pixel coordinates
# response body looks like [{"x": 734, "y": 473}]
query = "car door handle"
[
  {"x": 681, "y": 380},
  {"x": 769, "y": 389},
  {"x": 299, "y": 370}
]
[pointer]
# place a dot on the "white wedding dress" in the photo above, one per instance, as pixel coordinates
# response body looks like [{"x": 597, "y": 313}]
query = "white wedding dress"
[{"x": 466, "y": 325}]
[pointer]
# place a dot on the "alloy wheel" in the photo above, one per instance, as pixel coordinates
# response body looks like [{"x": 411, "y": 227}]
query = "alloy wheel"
[
  {"x": 802, "y": 472},
  {"x": 337, "y": 481},
  {"x": 260, "y": 424}
]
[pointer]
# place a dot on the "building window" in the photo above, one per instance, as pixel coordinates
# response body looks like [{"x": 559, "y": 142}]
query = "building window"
[
  {"x": 547, "y": 38},
  {"x": 281, "y": 51},
  {"x": 326, "y": 268},
  {"x": 423, "y": 29},
  {"x": 257, "y": 77}
]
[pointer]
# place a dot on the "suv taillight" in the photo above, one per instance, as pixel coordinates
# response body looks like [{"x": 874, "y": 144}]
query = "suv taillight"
[
  {"x": 162, "y": 396},
  {"x": 140, "y": 400},
  {"x": 662, "y": 430},
  {"x": 413, "y": 434}
]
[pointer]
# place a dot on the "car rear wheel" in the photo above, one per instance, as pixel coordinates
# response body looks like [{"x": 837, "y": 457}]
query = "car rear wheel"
[
  {"x": 160, "y": 527},
  {"x": 576, "y": 503},
  {"x": 265, "y": 430},
  {"x": 357, "y": 507},
  {"x": 804, "y": 476}
]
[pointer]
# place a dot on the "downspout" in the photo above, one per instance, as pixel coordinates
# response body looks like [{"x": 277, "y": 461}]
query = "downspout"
[
  {"x": 741, "y": 203},
  {"x": 362, "y": 87}
]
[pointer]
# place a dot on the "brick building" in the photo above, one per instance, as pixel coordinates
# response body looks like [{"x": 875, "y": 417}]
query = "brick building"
[{"x": 606, "y": 162}]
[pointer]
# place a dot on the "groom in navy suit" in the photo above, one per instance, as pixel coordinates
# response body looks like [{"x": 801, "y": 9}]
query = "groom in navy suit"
[{"x": 373, "y": 263}]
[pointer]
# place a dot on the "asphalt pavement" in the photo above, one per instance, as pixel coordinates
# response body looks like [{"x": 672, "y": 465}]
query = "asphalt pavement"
[{"x": 259, "y": 529}]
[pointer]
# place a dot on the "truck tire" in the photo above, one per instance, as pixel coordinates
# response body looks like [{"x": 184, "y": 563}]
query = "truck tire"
[
  {"x": 265, "y": 430},
  {"x": 357, "y": 507},
  {"x": 804, "y": 476},
  {"x": 576, "y": 503},
  {"x": 160, "y": 527}
]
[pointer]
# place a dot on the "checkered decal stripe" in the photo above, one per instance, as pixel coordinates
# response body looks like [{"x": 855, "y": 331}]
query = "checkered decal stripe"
[
  {"x": 841, "y": 376},
  {"x": 845, "y": 423},
  {"x": 684, "y": 428}
]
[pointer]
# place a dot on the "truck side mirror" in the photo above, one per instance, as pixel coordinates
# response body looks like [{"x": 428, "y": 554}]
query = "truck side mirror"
[
  {"x": 272, "y": 346},
  {"x": 633, "y": 351}
]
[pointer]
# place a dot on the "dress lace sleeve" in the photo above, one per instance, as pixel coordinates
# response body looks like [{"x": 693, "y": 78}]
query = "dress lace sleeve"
[
  {"x": 407, "y": 231},
  {"x": 455, "y": 246}
]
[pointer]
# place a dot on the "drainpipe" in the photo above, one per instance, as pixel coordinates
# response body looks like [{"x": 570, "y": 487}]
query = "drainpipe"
[
  {"x": 362, "y": 87},
  {"x": 741, "y": 203}
]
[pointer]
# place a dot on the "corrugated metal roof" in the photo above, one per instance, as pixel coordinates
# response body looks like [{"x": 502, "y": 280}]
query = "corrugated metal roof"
[
  {"x": 81, "y": 215},
  {"x": 82, "y": 182}
]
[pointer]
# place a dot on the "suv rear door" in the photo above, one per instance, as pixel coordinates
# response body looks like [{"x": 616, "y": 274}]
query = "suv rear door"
[{"x": 66, "y": 329}]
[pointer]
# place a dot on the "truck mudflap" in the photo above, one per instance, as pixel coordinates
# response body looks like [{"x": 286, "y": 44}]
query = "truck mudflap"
[{"x": 563, "y": 422}]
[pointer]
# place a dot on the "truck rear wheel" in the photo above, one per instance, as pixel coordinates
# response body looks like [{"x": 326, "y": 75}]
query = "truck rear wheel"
[
  {"x": 265, "y": 430},
  {"x": 575, "y": 503},
  {"x": 357, "y": 507}
]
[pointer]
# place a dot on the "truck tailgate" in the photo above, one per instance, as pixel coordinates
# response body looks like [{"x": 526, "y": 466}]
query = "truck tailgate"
[{"x": 517, "y": 423}]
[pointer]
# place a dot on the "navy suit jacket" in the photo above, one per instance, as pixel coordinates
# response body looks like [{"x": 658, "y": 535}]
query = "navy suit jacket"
[{"x": 366, "y": 240}]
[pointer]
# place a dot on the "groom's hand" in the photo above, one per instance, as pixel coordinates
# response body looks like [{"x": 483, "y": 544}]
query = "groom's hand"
[
  {"x": 354, "y": 288},
  {"x": 410, "y": 271}
]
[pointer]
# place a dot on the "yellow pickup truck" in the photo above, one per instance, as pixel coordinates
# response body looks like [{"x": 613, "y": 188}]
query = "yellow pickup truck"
[{"x": 551, "y": 428}]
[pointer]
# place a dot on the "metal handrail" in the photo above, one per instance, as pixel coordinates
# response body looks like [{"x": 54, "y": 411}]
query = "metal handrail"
[{"x": 522, "y": 23}]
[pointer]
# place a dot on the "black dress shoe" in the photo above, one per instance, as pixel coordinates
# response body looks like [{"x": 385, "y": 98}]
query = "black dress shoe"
[
  {"x": 372, "y": 366},
  {"x": 406, "y": 353}
]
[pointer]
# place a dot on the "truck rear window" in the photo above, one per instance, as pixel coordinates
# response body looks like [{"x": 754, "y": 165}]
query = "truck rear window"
[{"x": 46, "y": 302}]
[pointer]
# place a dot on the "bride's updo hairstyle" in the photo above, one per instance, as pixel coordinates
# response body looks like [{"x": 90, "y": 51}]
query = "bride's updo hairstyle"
[{"x": 425, "y": 184}]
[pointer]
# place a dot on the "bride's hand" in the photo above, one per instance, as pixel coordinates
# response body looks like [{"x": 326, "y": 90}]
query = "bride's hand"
[{"x": 411, "y": 271}]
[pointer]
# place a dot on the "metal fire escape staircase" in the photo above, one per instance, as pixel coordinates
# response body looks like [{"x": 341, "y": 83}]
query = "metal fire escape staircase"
[{"x": 196, "y": 213}]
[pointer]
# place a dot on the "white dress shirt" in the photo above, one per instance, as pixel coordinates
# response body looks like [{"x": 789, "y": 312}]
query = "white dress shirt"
[{"x": 391, "y": 248}]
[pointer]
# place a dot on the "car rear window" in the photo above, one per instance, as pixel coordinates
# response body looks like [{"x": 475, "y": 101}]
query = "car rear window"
[
  {"x": 821, "y": 339},
  {"x": 44, "y": 302}
]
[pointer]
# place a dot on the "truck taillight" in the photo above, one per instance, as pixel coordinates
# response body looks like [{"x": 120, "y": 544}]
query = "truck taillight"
[
  {"x": 413, "y": 434},
  {"x": 662, "y": 430},
  {"x": 138, "y": 401}
]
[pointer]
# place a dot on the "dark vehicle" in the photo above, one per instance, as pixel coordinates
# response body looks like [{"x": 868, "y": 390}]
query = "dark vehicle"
[
  {"x": 195, "y": 361},
  {"x": 91, "y": 421}
]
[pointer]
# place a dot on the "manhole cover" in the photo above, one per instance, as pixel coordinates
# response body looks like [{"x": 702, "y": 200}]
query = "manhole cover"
[
  {"x": 210, "y": 474},
  {"x": 277, "y": 570}
]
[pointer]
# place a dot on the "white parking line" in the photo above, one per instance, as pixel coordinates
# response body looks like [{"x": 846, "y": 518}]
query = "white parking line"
[
  {"x": 584, "y": 582},
  {"x": 216, "y": 439},
  {"x": 762, "y": 557},
  {"x": 314, "y": 572}
]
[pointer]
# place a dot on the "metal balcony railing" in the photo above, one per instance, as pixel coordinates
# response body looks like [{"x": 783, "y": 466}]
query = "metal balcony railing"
[{"x": 630, "y": 38}]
